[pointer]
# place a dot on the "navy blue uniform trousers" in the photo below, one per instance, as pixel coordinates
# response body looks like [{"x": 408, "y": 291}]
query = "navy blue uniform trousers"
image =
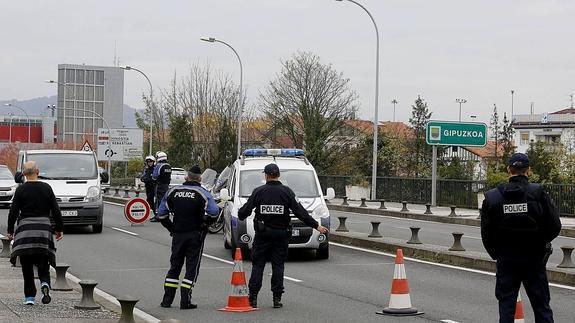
[{"x": 270, "y": 245}]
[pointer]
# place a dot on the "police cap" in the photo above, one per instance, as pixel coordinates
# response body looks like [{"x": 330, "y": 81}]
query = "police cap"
[
  {"x": 195, "y": 170},
  {"x": 272, "y": 169},
  {"x": 519, "y": 160}
]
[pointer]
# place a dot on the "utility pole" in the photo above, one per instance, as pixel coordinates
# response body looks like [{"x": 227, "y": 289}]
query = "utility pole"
[
  {"x": 394, "y": 101},
  {"x": 512, "y": 92}
]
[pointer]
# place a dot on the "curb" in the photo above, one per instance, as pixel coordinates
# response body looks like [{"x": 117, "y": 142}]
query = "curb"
[
  {"x": 462, "y": 220},
  {"x": 437, "y": 254}
]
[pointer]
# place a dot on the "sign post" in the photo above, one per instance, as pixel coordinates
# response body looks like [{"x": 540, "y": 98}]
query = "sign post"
[
  {"x": 448, "y": 133},
  {"x": 137, "y": 211}
]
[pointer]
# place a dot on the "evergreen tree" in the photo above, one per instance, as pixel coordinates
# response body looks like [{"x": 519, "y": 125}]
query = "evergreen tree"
[
  {"x": 420, "y": 156},
  {"x": 180, "y": 146},
  {"x": 495, "y": 128},
  {"x": 506, "y": 136}
]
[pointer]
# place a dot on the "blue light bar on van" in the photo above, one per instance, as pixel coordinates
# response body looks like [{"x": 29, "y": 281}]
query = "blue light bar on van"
[{"x": 274, "y": 152}]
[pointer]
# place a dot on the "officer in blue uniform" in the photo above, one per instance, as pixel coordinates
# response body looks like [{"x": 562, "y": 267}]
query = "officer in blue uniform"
[
  {"x": 149, "y": 183},
  {"x": 162, "y": 175},
  {"x": 518, "y": 223},
  {"x": 272, "y": 203},
  {"x": 189, "y": 204}
]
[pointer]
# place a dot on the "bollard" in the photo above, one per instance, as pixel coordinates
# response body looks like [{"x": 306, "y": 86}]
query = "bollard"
[
  {"x": 344, "y": 200},
  {"x": 87, "y": 302},
  {"x": 404, "y": 208},
  {"x": 457, "y": 242},
  {"x": 363, "y": 202},
  {"x": 126, "y": 193},
  {"x": 5, "y": 248},
  {"x": 117, "y": 194},
  {"x": 382, "y": 205},
  {"x": 61, "y": 282},
  {"x": 566, "y": 262},
  {"x": 414, "y": 235},
  {"x": 375, "y": 230},
  {"x": 342, "y": 227},
  {"x": 127, "y": 303},
  {"x": 428, "y": 209},
  {"x": 452, "y": 211}
]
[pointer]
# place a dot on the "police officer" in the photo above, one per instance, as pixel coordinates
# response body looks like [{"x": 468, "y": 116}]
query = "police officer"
[
  {"x": 518, "y": 223},
  {"x": 189, "y": 204},
  {"x": 272, "y": 202},
  {"x": 149, "y": 183},
  {"x": 162, "y": 176}
]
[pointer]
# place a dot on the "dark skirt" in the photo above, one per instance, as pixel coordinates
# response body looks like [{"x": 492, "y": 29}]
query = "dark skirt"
[{"x": 33, "y": 236}]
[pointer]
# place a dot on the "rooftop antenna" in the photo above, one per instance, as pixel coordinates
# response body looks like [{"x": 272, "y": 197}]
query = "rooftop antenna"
[
  {"x": 532, "y": 107},
  {"x": 571, "y": 98},
  {"x": 116, "y": 60}
]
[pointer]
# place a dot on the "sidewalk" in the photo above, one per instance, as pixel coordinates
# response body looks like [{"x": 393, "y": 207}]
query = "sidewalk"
[{"x": 61, "y": 309}]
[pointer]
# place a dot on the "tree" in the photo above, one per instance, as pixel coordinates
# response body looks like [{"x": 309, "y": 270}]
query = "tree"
[
  {"x": 506, "y": 136},
  {"x": 308, "y": 102},
  {"x": 456, "y": 169},
  {"x": 495, "y": 128},
  {"x": 388, "y": 156},
  {"x": 419, "y": 159},
  {"x": 544, "y": 161}
]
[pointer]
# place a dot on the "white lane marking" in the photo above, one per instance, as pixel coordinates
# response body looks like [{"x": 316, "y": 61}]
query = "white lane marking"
[
  {"x": 449, "y": 321},
  {"x": 435, "y": 264},
  {"x": 137, "y": 312},
  {"x": 125, "y": 231},
  {"x": 112, "y": 203},
  {"x": 231, "y": 263}
]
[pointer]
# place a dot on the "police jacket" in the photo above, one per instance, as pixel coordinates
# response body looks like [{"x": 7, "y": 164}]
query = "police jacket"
[
  {"x": 273, "y": 202},
  {"x": 188, "y": 203},
  {"x": 518, "y": 220},
  {"x": 146, "y": 177},
  {"x": 162, "y": 173}
]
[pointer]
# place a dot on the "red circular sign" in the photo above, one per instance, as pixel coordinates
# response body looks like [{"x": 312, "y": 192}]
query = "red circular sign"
[{"x": 137, "y": 210}]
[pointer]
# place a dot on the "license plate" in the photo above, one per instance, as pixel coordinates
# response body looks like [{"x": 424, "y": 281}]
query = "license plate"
[
  {"x": 70, "y": 213},
  {"x": 295, "y": 233}
]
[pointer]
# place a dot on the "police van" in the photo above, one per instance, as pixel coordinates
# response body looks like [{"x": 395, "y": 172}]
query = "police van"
[{"x": 296, "y": 172}]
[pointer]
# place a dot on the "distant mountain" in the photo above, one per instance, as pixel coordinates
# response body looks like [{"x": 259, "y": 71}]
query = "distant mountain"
[{"x": 37, "y": 106}]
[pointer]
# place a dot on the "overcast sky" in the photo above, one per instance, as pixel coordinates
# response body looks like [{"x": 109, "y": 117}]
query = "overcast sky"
[{"x": 440, "y": 49}]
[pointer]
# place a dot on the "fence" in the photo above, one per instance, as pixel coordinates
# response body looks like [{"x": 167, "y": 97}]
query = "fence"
[{"x": 449, "y": 192}]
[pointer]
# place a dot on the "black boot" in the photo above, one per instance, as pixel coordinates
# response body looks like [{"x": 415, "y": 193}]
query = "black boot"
[
  {"x": 187, "y": 302},
  {"x": 278, "y": 301},
  {"x": 169, "y": 295},
  {"x": 154, "y": 219},
  {"x": 253, "y": 298}
]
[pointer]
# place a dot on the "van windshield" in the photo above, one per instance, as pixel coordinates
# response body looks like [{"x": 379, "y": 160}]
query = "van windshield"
[
  {"x": 302, "y": 182},
  {"x": 65, "y": 166},
  {"x": 6, "y": 174}
]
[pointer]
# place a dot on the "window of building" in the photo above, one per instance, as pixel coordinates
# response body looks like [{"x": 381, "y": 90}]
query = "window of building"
[
  {"x": 99, "y": 95},
  {"x": 70, "y": 77},
  {"x": 61, "y": 75},
  {"x": 60, "y": 92},
  {"x": 79, "y": 92},
  {"x": 99, "y": 77},
  {"x": 89, "y": 77},
  {"x": 80, "y": 76},
  {"x": 69, "y": 92},
  {"x": 524, "y": 137},
  {"x": 89, "y": 106},
  {"x": 89, "y": 93},
  {"x": 99, "y": 108},
  {"x": 79, "y": 109}
]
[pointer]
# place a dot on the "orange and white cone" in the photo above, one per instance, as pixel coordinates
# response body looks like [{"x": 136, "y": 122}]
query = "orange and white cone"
[
  {"x": 519, "y": 316},
  {"x": 399, "y": 301},
  {"x": 238, "y": 300}
]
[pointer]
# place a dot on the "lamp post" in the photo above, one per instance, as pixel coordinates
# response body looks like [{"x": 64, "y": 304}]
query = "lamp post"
[
  {"x": 512, "y": 92},
  {"x": 375, "y": 116},
  {"x": 394, "y": 101},
  {"x": 65, "y": 85},
  {"x": 460, "y": 101},
  {"x": 27, "y": 117},
  {"x": 152, "y": 109},
  {"x": 240, "y": 105}
]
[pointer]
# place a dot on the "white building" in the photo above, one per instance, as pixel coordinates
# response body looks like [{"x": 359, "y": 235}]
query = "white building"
[{"x": 557, "y": 127}]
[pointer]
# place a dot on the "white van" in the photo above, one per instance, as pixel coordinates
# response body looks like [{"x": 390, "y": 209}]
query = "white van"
[
  {"x": 296, "y": 172},
  {"x": 76, "y": 181}
]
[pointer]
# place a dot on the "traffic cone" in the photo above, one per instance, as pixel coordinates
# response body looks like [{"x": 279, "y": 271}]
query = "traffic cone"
[
  {"x": 238, "y": 300},
  {"x": 399, "y": 301},
  {"x": 519, "y": 316}
]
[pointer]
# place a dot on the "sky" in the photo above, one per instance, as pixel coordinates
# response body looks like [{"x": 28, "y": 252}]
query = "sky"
[{"x": 440, "y": 49}]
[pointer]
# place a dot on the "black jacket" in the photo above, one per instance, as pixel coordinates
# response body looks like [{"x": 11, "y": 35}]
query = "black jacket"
[
  {"x": 273, "y": 202},
  {"x": 509, "y": 233},
  {"x": 146, "y": 177}
]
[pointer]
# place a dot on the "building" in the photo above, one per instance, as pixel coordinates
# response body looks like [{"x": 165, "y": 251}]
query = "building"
[
  {"x": 83, "y": 90},
  {"x": 479, "y": 156},
  {"x": 557, "y": 127},
  {"x": 14, "y": 128}
]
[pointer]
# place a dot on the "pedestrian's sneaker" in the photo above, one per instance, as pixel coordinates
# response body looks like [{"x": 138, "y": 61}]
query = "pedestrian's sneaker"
[
  {"x": 46, "y": 299},
  {"x": 278, "y": 302},
  {"x": 29, "y": 301}
]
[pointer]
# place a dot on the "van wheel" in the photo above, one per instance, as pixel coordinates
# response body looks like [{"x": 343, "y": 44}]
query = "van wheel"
[
  {"x": 97, "y": 228},
  {"x": 322, "y": 252}
]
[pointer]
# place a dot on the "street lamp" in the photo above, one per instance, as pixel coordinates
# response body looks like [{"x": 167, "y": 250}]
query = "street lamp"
[
  {"x": 27, "y": 117},
  {"x": 375, "y": 117},
  {"x": 460, "y": 101},
  {"x": 512, "y": 92},
  {"x": 65, "y": 85},
  {"x": 152, "y": 109},
  {"x": 394, "y": 101},
  {"x": 240, "y": 106}
]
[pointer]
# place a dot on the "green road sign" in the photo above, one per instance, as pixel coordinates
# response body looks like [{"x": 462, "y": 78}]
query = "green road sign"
[{"x": 447, "y": 133}]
